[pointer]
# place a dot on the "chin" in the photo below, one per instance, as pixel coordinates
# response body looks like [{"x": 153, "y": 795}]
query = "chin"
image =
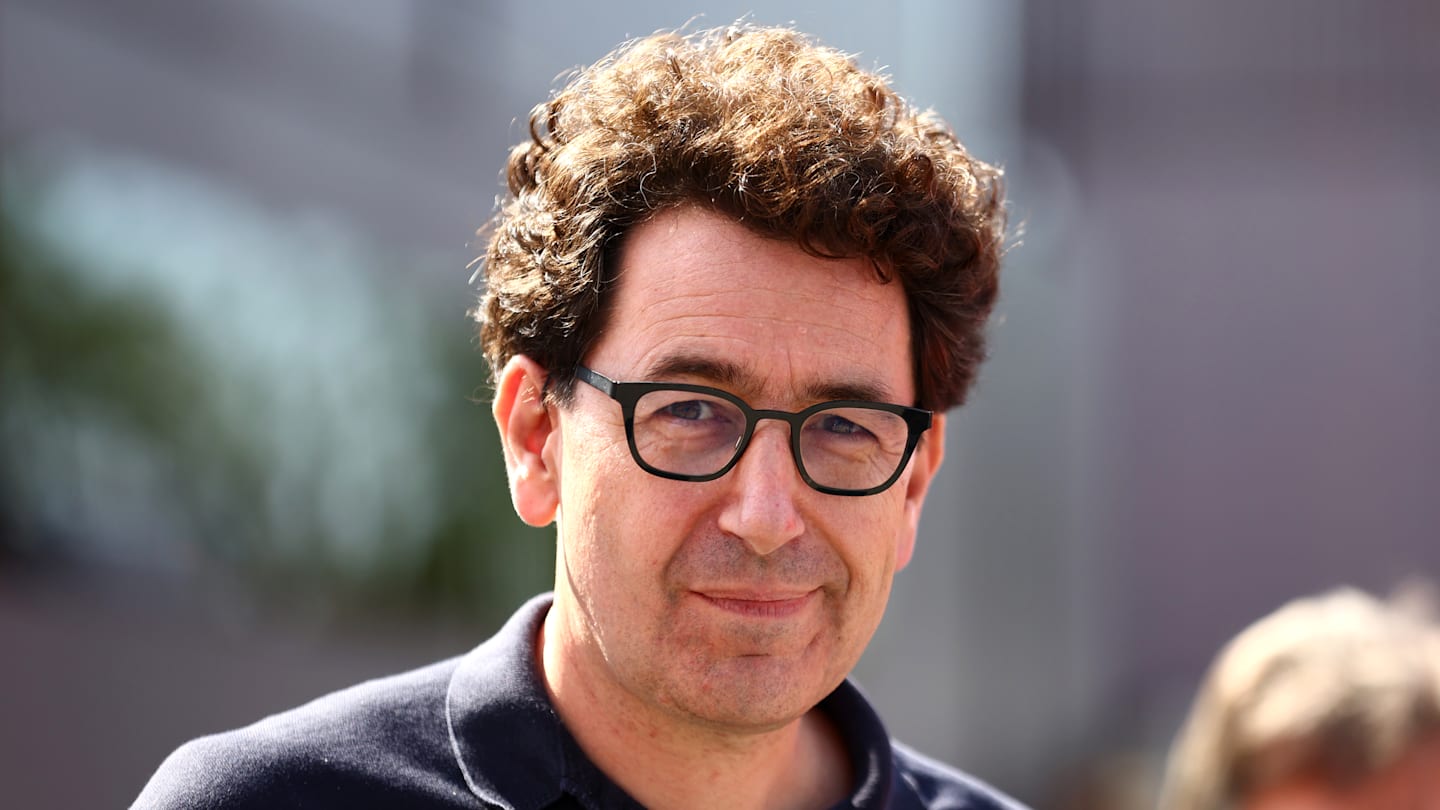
[{"x": 753, "y": 694}]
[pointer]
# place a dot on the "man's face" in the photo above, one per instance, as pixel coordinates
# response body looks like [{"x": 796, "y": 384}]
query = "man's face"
[{"x": 743, "y": 601}]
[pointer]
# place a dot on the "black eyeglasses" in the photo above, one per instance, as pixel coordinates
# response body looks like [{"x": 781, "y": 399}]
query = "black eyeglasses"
[{"x": 697, "y": 433}]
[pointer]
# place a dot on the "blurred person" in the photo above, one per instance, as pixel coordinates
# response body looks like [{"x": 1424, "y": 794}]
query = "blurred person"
[
  {"x": 736, "y": 284},
  {"x": 1330, "y": 703}
]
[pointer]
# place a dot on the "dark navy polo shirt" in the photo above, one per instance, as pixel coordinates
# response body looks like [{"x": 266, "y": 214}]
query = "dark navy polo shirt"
[{"x": 478, "y": 731}]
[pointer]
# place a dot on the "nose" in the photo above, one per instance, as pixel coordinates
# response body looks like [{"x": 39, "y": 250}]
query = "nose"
[{"x": 761, "y": 507}]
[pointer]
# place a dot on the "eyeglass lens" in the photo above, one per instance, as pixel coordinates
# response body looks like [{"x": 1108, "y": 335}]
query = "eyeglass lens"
[{"x": 689, "y": 433}]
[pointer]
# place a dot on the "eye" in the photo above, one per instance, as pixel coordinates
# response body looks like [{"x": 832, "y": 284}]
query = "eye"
[
  {"x": 690, "y": 410},
  {"x": 840, "y": 426}
]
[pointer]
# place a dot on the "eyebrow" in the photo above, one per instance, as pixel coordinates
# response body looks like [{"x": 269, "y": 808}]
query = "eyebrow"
[{"x": 733, "y": 376}]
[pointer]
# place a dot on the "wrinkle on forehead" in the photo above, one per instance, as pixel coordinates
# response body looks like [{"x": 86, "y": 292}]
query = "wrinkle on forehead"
[
  {"x": 738, "y": 377},
  {"x": 700, "y": 290},
  {"x": 751, "y": 353}
]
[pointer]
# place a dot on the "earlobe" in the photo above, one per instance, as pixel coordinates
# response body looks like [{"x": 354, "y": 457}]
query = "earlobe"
[
  {"x": 526, "y": 426},
  {"x": 923, "y": 466}
]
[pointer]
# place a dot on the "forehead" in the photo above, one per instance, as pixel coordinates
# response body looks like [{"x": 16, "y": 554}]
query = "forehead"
[{"x": 697, "y": 289}]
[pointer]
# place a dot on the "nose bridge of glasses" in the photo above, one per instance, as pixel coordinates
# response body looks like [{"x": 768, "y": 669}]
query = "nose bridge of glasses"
[
  {"x": 787, "y": 439},
  {"x": 761, "y": 416}
]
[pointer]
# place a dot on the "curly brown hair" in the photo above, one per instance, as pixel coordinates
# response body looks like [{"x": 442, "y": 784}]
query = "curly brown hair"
[{"x": 788, "y": 137}]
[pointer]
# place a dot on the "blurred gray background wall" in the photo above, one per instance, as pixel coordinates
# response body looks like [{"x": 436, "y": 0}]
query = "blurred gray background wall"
[{"x": 243, "y": 463}]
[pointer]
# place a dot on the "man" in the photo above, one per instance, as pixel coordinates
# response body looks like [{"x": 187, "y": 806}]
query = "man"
[
  {"x": 1330, "y": 703},
  {"x": 735, "y": 283}
]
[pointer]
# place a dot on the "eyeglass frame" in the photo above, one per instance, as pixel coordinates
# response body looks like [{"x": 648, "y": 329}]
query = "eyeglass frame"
[{"x": 917, "y": 421}]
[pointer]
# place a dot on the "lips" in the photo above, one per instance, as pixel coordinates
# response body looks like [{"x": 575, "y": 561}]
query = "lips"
[{"x": 759, "y": 605}]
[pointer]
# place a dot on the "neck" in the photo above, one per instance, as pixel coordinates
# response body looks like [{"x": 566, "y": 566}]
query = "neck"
[{"x": 665, "y": 761}]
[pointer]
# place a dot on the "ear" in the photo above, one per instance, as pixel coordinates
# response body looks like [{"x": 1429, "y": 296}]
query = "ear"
[
  {"x": 923, "y": 466},
  {"x": 527, "y": 430}
]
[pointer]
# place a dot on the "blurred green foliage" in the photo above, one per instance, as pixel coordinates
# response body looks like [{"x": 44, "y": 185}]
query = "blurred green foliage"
[{"x": 130, "y": 439}]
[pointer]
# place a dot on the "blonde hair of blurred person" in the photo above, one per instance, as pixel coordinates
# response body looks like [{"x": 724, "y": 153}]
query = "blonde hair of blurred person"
[{"x": 1331, "y": 702}]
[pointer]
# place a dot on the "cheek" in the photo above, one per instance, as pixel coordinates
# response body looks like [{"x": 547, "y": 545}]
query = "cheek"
[
  {"x": 588, "y": 504},
  {"x": 591, "y": 461},
  {"x": 625, "y": 523},
  {"x": 872, "y": 538}
]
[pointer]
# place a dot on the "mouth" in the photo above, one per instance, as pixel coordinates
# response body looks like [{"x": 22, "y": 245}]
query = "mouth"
[{"x": 760, "y": 605}]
